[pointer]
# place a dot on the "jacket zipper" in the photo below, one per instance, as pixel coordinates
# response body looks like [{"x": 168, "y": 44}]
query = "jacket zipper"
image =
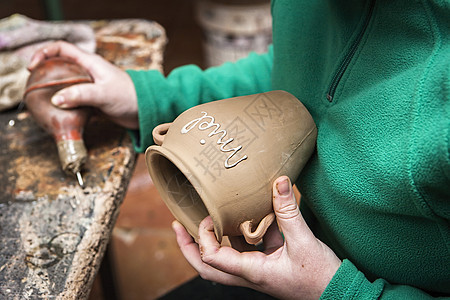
[{"x": 347, "y": 59}]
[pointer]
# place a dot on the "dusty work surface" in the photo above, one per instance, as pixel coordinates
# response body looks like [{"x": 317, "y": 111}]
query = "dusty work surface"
[{"x": 53, "y": 234}]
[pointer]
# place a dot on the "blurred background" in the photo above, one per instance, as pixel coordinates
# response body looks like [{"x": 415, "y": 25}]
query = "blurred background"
[
  {"x": 176, "y": 16},
  {"x": 145, "y": 258}
]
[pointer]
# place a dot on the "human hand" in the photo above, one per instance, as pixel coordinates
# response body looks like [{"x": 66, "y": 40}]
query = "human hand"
[
  {"x": 299, "y": 267},
  {"x": 112, "y": 92}
]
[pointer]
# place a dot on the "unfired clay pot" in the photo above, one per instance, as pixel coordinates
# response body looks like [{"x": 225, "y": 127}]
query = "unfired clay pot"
[
  {"x": 221, "y": 158},
  {"x": 66, "y": 125}
]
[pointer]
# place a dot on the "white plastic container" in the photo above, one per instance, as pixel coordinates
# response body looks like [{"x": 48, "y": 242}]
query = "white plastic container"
[{"x": 233, "y": 29}]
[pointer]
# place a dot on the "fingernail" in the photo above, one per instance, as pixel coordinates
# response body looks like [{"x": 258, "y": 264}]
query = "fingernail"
[
  {"x": 284, "y": 187},
  {"x": 31, "y": 66},
  {"x": 174, "y": 225},
  {"x": 58, "y": 100}
]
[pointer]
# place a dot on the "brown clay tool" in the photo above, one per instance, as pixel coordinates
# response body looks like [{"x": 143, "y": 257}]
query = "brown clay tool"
[{"x": 65, "y": 125}]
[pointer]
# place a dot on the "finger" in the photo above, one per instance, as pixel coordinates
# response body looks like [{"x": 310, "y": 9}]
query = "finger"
[
  {"x": 244, "y": 265},
  {"x": 36, "y": 59},
  {"x": 59, "y": 48},
  {"x": 191, "y": 252},
  {"x": 287, "y": 212},
  {"x": 45, "y": 52},
  {"x": 187, "y": 245},
  {"x": 77, "y": 95},
  {"x": 207, "y": 237}
]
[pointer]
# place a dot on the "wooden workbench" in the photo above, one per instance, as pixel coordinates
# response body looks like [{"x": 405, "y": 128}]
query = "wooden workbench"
[{"x": 53, "y": 234}]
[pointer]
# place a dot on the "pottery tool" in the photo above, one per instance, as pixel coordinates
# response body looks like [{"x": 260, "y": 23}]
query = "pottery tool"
[{"x": 65, "y": 125}]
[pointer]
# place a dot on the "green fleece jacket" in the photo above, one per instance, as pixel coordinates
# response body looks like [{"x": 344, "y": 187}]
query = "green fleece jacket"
[{"x": 375, "y": 75}]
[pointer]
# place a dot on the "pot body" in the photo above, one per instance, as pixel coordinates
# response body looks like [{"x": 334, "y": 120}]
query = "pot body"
[{"x": 221, "y": 158}]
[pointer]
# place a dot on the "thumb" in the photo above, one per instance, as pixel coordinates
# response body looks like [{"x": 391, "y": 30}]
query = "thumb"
[
  {"x": 76, "y": 95},
  {"x": 288, "y": 215}
]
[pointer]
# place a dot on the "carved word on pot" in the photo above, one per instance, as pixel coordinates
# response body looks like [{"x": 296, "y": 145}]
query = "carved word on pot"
[{"x": 209, "y": 122}]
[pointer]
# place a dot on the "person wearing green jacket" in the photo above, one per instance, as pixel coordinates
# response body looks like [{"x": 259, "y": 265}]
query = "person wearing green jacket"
[{"x": 375, "y": 206}]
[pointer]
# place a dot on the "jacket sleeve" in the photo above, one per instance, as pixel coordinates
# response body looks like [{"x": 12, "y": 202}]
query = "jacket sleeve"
[
  {"x": 350, "y": 283},
  {"x": 161, "y": 99}
]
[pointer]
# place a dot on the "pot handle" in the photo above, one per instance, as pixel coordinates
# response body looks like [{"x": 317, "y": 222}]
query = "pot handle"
[
  {"x": 159, "y": 132},
  {"x": 254, "y": 237}
]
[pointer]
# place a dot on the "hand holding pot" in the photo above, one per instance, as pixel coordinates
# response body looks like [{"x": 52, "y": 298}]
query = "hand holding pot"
[
  {"x": 112, "y": 91},
  {"x": 299, "y": 267}
]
